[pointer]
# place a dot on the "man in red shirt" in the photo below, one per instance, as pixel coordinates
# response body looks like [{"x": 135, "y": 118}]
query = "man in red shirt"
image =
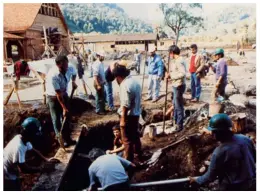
[{"x": 196, "y": 70}]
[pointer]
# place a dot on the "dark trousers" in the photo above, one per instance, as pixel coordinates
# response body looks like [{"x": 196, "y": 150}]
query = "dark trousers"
[
  {"x": 12, "y": 185},
  {"x": 178, "y": 103},
  {"x": 57, "y": 116},
  {"x": 100, "y": 99},
  {"x": 195, "y": 86},
  {"x": 131, "y": 138},
  {"x": 221, "y": 89},
  {"x": 118, "y": 187}
]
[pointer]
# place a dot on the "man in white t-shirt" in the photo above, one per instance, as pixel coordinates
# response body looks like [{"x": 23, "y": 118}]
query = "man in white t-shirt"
[
  {"x": 15, "y": 151},
  {"x": 108, "y": 170}
]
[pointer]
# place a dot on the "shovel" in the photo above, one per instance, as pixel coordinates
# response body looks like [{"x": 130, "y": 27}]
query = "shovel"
[
  {"x": 63, "y": 123},
  {"x": 156, "y": 156},
  {"x": 91, "y": 96}
]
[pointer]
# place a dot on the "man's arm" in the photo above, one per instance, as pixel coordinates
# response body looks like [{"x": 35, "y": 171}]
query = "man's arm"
[
  {"x": 40, "y": 155},
  {"x": 126, "y": 164},
  {"x": 60, "y": 98},
  {"x": 116, "y": 150},
  {"x": 160, "y": 68},
  {"x": 92, "y": 181},
  {"x": 202, "y": 64},
  {"x": 211, "y": 173}
]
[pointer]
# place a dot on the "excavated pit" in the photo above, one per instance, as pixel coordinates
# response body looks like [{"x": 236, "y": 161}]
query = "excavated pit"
[
  {"x": 182, "y": 160},
  {"x": 46, "y": 144}
]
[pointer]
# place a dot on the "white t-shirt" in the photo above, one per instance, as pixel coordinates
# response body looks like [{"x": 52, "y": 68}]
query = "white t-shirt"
[
  {"x": 56, "y": 81},
  {"x": 130, "y": 96},
  {"x": 108, "y": 170},
  {"x": 14, "y": 153}
]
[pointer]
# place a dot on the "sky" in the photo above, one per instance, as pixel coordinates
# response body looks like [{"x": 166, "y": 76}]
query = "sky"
[{"x": 139, "y": 10}]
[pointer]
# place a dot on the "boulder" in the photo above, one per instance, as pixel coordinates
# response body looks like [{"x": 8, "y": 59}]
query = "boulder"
[
  {"x": 230, "y": 90},
  {"x": 239, "y": 100},
  {"x": 251, "y": 90},
  {"x": 252, "y": 103}
]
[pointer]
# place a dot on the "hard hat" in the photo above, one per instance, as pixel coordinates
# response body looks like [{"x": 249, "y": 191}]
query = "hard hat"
[
  {"x": 220, "y": 122},
  {"x": 31, "y": 126},
  {"x": 123, "y": 63},
  {"x": 219, "y": 51},
  {"x": 152, "y": 48},
  {"x": 101, "y": 53}
]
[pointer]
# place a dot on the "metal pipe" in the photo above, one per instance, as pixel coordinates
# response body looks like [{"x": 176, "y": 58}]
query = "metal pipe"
[{"x": 157, "y": 183}]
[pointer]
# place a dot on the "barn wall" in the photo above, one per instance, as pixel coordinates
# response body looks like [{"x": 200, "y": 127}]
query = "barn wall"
[
  {"x": 35, "y": 42},
  {"x": 48, "y": 21}
]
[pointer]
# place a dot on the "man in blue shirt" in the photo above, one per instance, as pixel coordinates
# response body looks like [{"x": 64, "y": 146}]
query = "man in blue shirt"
[
  {"x": 234, "y": 161},
  {"x": 221, "y": 71},
  {"x": 155, "y": 71},
  {"x": 108, "y": 170}
]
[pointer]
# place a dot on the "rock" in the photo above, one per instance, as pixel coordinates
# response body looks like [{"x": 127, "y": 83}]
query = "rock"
[
  {"x": 207, "y": 162},
  {"x": 238, "y": 100},
  {"x": 253, "y": 46},
  {"x": 252, "y": 103},
  {"x": 202, "y": 169},
  {"x": 251, "y": 90},
  {"x": 230, "y": 90}
]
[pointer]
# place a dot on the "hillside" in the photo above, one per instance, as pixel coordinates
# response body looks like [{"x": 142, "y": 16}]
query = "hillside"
[{"x": 101, "y": 18}]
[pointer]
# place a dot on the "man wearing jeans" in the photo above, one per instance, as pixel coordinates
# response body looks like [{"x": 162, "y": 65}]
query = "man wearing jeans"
[
  {"x": 109, "y": 88},
  {"x": 129, "y": 111},
  {"x": 56, "y": 88},
  {"x": 196, "y": 71},
  {"x": 99, "y": 82},
  {"x": 155, "y": 71},
  {"x": 177, "y": 74}
]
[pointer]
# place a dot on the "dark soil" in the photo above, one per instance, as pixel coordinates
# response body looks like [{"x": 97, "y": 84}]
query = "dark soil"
[{"x": 47, "y": 145}]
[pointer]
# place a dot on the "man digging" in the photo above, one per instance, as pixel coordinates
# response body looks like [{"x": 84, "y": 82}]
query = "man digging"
[{"x": 57, "y": 81}]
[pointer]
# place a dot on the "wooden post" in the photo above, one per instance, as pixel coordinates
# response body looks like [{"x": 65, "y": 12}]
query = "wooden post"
[
  {"x": 8, "y": 96},
  {"x": 46, "y": 42}
]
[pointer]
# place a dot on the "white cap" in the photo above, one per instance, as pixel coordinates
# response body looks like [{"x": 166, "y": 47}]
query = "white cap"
[
  {"x": 151, "y": 48},
  {"x": 101, "y": 53}
]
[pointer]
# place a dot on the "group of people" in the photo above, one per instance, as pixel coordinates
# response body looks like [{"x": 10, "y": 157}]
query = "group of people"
[{"x": 233, "y": 161}]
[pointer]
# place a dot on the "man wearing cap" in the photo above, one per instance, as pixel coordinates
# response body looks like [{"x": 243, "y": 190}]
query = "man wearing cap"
[
  {"x": 233, "y": 161},
  {"x": 196, "y": 70},
  {"x": 99, "y": 82},
  {"x": 15, "y": 152},
  {"x": 129, "y": 111},
  {"x": 221, "y": 71},
  {"x": 57, "y": 81},
  {"x": 155, "y": 71},
  {"x": 137, "y": 59}
]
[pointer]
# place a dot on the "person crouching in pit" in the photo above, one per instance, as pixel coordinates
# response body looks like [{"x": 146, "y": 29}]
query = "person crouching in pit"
[{"x": 118, "y": 143}]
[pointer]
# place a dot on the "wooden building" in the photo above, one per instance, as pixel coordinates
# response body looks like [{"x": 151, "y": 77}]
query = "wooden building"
[
  {"x": 109, "y": 42},
  {"x": 23, "y": 29}
]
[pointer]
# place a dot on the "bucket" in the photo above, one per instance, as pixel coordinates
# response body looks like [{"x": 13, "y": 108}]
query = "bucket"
[
  {"x": 152, "y": 132},
  {"x": 215, "y": 108},
  {"x": 239, "y": 122}
]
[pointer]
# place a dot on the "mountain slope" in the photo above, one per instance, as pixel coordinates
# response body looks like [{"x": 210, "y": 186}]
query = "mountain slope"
[{"x": 101, "y": 18}]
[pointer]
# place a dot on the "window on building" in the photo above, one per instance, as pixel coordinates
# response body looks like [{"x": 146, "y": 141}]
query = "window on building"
[
  {"x": 161, "y": 43},
  {"x": 49, "y": 9},
  {"x": 112, "y": 46}
]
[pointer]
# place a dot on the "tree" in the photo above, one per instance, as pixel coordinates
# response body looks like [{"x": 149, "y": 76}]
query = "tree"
[{"x": 179, "y": 17}]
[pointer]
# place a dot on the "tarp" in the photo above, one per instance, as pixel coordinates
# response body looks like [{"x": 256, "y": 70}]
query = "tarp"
[{"x": 42, "y": 66}]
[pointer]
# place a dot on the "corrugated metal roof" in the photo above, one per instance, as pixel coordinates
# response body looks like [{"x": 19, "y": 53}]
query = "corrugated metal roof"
[{"x": 113, "y": 38}]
